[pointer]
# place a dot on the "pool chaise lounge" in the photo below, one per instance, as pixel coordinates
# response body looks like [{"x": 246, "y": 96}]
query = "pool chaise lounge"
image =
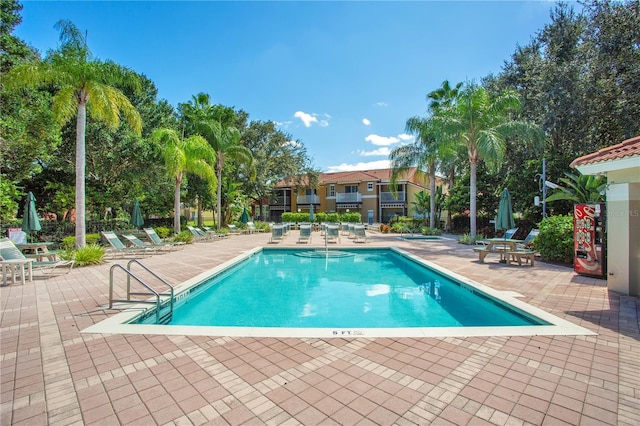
[
  {"x": 305, "y": 233},
  {"x": 13, "y": 260},
  {"x": 157, "y": 241},
  {"x": 119, "y": 249}
]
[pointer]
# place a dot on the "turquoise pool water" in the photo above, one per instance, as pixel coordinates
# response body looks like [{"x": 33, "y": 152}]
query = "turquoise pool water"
[{"x": 369, "y": 288}]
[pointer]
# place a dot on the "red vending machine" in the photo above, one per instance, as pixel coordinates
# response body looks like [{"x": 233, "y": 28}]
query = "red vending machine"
[{"x": 589, "y": 236}]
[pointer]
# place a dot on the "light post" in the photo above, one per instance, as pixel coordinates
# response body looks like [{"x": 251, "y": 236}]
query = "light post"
[{"x": 544, "y": 184}]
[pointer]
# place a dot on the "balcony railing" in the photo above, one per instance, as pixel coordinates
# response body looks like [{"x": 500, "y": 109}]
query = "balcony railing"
[
  {"x": 308, "y": 199},
  {"x": 348, "y": 197},
  {"x": 390, "y": 197}
]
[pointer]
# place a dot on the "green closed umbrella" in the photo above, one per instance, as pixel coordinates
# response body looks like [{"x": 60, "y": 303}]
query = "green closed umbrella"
[
  {"x": 504, "y": 220},
  {"x": 245, "y": 216},
  {"x": 136, "y": 215},
  {"x": 30, "y": 221},
  {"x": 311, "y": 215}
]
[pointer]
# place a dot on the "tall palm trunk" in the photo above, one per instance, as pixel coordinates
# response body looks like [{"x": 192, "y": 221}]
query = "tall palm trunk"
[
  {"x": 81, "y": 122},
  {"x": 432, "y": 199},
  {"x": 176, "y": 205},
  {"x": 473, "y": 193},
  {"x": 219, "y": 165}
]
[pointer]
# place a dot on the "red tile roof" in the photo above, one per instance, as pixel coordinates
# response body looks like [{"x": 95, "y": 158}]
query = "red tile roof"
[
  {"x": 380, "y": 175},
  {"x": 628, "y": 148}
]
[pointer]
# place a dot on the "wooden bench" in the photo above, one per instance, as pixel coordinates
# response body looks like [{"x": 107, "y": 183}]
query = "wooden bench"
[
  {"x": 519, "y": 255},
  {"x": 483, "y": 252}
]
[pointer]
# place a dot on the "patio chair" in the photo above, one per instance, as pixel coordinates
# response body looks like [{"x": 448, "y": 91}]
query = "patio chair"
[
  {"x": 277, "y": 234},
  {"x": 252, "y": 227},
  {"x": 528, "y": 239},
  {"x": 509, "y": 233},
  {"x": 118, "y": 247},
  {"x": 13, "y": 259},
  {"x": 200, "y": 235},
  {"x": 234, "y": 229},
  {"x": 157, "y": 241},
  {"x": 213, "y": 233},
  {"x": 305, "y": 233},
  {"x": 136, "y": 242},
  {"x": 360, "y": 235},
  {"x": 332, "y": 233}
]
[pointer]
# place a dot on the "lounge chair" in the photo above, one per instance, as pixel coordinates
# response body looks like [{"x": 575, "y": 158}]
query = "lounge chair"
[
  {"x": 157, "y": 241},
  {"x": 13, "y": 259},
  {"x": 360, "y": 236},
  {"x": 212, "y": 233},
  {"x": 528, "y": 239},
  {"x": 332, "y": 233},
  {"x": 277, "y": 233},
  {"x": 305, "y": 233},
  {"x": 118, "y": 247},
  {"x": 201, "y": 235},
  {"x": 234, "y": 229},
  {"x": 137, "y": 243},
  {"x": 252, "y": 227}
]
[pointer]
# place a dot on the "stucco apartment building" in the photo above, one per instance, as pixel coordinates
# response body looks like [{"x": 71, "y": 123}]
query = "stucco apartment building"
[{"x": 368, "y": 192}]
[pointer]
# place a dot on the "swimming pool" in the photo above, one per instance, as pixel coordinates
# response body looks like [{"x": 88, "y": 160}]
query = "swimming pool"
[{"x": 404, "y": 285}]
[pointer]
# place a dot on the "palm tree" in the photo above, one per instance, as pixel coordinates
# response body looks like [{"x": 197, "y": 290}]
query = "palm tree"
[
  {"x": 226, "y": 142},
  {"x": 581, "y": 188},
  {"x": 191, "y": 155},
  {"x": 201, "y": 118},
  {"x": 84, "y": 85},
  {"x": 423, "y": 153},
  {"x": 481, "y": 123}
]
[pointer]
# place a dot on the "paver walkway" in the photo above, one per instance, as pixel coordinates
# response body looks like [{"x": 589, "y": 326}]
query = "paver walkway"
[{"x": 53, "y": 374}]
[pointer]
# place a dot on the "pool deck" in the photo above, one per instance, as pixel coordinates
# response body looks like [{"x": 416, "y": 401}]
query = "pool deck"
[{"x": 54, "y": 374}]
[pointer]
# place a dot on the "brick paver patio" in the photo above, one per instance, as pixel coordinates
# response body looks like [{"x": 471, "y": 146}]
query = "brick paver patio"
[{"x": 53, "y": 374}]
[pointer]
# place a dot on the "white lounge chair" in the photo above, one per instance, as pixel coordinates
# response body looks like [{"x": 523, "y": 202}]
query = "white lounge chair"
[
  {"x": 305, "y": 233},
  {"x": 12, "y": 260},
  {"x": 118, "y": 247},
  {"x": 157, "y": 241},
  {"x": 360, "y": 235},
  {"x": 277, "y": 233},
  {"x": 332, "y": 233}
]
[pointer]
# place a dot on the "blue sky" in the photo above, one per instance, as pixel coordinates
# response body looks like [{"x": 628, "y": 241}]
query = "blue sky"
[{"x": 340, "y": 77}]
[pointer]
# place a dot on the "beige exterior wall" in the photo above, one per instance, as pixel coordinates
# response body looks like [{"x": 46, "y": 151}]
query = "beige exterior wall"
[{"x": 623, "y": 232}]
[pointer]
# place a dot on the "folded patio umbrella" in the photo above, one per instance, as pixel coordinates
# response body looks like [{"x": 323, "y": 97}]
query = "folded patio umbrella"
[
  {"x": 136, "y": 215},
  {"x": 245, "y": 216},
  {"x": 30, "y": 221},
  {"x": 311, "y": 215},
  {"x": 504, "y": 220}
]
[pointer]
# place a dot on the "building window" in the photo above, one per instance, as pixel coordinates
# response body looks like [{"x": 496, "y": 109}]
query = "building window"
[
  {"x": 370, "y": 186},
  {"x": 351, "y": 189},
  {"x": 332, "y": 190}
]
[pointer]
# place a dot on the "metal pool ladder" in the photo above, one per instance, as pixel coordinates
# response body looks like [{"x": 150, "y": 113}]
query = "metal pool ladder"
[{"x": 163, "y": 316}]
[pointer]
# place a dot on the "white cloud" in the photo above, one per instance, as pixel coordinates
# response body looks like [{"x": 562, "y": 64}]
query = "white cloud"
[
  {"x": 371, "y": 165},
  {"x": 366, "y": 122},
  {"x": 283, "y": 124},
  {"x": 384, "y": 151},
  {"x": 405, "y": 137},
  {"x": 381, "y": 140},
  {"x": 381, "y": 104},
  {"x": 307, "y": 119}
]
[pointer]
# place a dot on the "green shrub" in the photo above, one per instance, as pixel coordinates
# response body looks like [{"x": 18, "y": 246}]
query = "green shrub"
[
  {"x": 466, "y": 239},
  {"x": 425, "y": 230},
  {"x": 354, "y": 217},
  {"x": 262, "y": 226},
  {"x": 70, "y": 242},
  {"x": 400, "y": 228},
  {"x": 555, "y": 240},
  {"x": 184, "y": 237},
  {"x": 92, "y": 254},
  {"x": 163, "y": 232}
]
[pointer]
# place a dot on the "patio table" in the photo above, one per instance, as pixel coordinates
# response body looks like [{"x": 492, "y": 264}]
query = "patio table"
[
  {"x": 497, "y": 245},
  {"x": 38, "y": 250}
]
